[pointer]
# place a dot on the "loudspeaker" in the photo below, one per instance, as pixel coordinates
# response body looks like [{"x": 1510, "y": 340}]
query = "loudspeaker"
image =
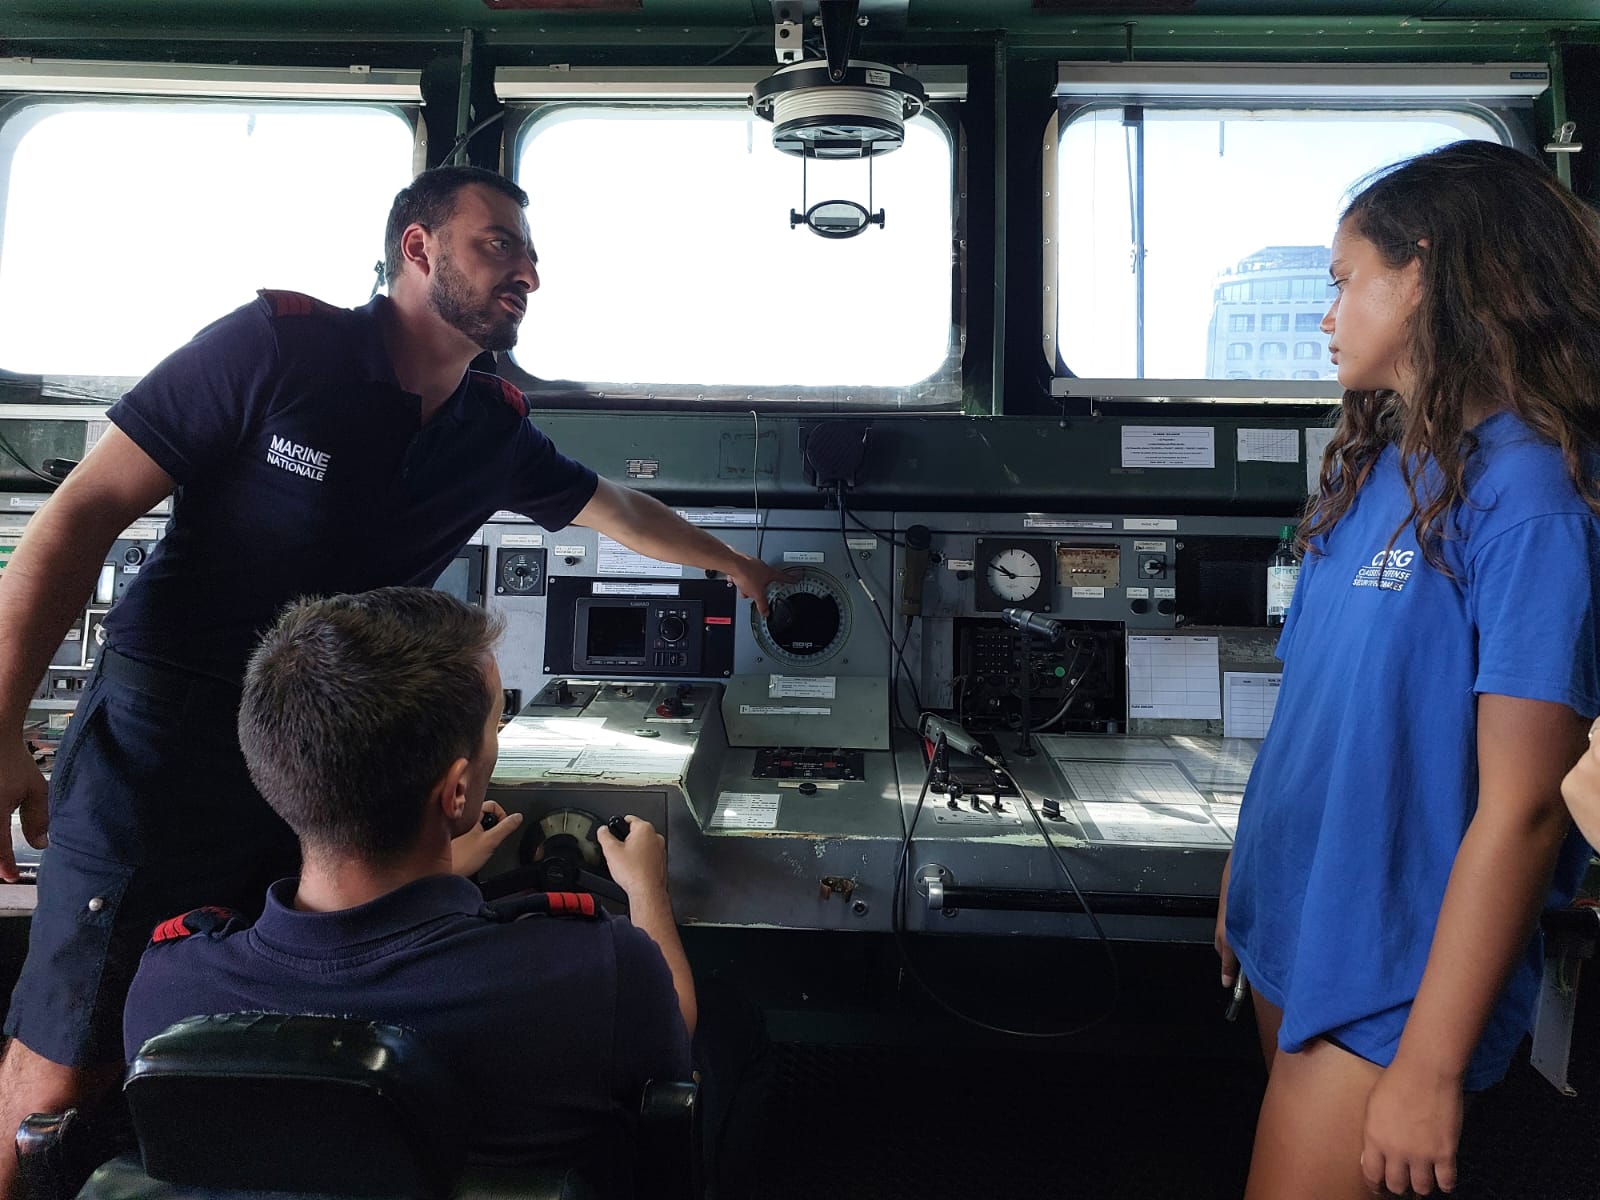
[{"x": 834, "y": 452}]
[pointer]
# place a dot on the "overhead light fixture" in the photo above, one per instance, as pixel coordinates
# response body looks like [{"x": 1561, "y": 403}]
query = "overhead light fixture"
[{"x": 833, "y": 108}]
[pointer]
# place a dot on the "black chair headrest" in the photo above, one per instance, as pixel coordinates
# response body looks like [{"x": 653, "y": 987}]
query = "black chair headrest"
[{"x": 281, "y": 1102}]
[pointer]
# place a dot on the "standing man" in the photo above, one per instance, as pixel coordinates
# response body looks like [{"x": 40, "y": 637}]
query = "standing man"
[{"x": 308, "y": 450}]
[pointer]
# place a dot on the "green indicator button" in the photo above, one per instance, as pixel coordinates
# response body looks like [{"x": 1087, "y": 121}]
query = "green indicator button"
[{"x": 1060, "y": 671}]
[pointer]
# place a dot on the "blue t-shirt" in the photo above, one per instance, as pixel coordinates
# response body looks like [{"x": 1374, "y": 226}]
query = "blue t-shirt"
[
  {"x": 303, "y": 468},
  {"x": 552, "y": 1025},
  {"x": 1367, "y": 779}
]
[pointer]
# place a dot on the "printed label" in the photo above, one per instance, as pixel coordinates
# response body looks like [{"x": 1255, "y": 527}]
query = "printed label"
[
  {"x": 1149, "y": 524},
  {"x": 1088, "y": 593},
  {"x": 960, "y": 564},
  {"x": 1149, "y": 547},
  {"x": 1138, "y": 593},
  {"x": 522, "y": 539},
  {"x": 1062, "y": 523},
  {"x": 608, "y": 588},
  {"x": 781, "y": 710},
  {"x": 570, "y": 551},
  {"x": 820, "y": 687},
  {"x": 804, "y": 556},
  {"x": 1280, "y": 589},
  {"x": 715, "y": 516},
  {"x": 745, "y": 810},
  {"x": 643, "y": 468}
]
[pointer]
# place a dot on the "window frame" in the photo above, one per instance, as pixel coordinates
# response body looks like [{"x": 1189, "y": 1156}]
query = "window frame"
[
  {"x": 1494, "y": 93},
  {"x": 532, "y": 95},
  {"x": 21, "y": 112}
]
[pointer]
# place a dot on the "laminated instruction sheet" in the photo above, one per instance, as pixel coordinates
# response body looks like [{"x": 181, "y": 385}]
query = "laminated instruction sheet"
[
  {"x": 582, "y": 747},
  {"x": 1176, "y": 791}
]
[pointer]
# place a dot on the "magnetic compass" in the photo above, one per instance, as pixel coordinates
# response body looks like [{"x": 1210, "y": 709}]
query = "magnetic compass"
[{"x": 808, "y": 619}]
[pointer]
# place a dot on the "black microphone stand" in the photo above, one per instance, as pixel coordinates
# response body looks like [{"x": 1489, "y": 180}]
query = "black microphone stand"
[
  {"x": 1027, "y": 630},
  {"x": 1025, "y": 680}
]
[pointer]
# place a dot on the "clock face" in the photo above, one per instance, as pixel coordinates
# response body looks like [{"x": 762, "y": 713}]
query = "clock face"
[{"x": 1014, "y": 574}]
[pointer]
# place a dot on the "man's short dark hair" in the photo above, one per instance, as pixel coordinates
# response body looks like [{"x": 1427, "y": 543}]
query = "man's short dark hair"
[
  {"x": 430, "y": 200},
  {"x": 355, "y": 706}
]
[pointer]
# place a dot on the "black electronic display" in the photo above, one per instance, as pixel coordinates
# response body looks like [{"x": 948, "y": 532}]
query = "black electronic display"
[{"x": 616, "y": 635}]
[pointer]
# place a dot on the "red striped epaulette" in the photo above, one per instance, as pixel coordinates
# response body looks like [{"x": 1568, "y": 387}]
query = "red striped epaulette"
[
  {"x": 210, "y": 919},
  {"x": 550, "y": 904},
  {"x": 292, "y": 304},
  {"x": 512, "y": 395}
]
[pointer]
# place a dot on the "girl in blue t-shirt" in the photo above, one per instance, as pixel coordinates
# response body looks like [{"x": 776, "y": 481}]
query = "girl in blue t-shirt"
[{"x": 1404, "y": 822}]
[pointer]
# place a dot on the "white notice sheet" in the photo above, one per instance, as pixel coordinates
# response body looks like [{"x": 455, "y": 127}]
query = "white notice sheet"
[
  {"x": 1269, "y": 445},
  {"x": 1317, "y": 439},
  {"x": 1165, "y": 446},
  {"x": 746, "y": 810},
  {"x": 1248, "y": 700},
  {"x": 532, "y": 745},
  {"x": 616, "y": 559},
  {"x": 1173, "y": 677}
]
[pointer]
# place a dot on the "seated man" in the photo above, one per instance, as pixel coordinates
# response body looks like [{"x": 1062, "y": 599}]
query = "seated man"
[{"x": 369, "y": 725}]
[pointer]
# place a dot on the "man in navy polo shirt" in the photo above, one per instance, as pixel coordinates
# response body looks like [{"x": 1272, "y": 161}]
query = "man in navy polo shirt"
[
  {"x": 308, "y": 450},
  {"x": 369, "y": 725}
]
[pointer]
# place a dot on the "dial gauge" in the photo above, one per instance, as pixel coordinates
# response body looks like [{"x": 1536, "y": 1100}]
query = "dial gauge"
[
  {"x": 519, "y": 572},
  {"x": 1014, "y": 573}
]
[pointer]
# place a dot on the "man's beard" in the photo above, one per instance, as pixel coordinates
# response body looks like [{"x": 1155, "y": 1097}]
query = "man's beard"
[{"x": 489, "y": 325}]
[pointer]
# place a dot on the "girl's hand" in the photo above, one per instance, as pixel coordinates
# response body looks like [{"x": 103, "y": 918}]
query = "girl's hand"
[{"x": 1412, "y": 1131}]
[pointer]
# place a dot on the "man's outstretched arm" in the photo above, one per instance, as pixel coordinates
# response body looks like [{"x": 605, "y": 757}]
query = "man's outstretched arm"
[{"x": 644, "y": 524}]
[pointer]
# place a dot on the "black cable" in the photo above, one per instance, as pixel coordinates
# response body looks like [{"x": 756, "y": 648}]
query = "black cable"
[
  {"x": 898, "y": 653},
  {"x": 897, "y": 924},
  {"x": 877, "y": 533},
  {"x": 743, "y": 37},
  {"x": 1072, "y": 689},
  {"x": 10, "y": 452},
  {"x": 460, "y": 144}
]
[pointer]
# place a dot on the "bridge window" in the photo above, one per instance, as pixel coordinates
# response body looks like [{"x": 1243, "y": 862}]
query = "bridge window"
[
  {"x": 671, "y": 271},
  {"x": 127, "y": 225},
  {"x": 1182, "y": 209}
]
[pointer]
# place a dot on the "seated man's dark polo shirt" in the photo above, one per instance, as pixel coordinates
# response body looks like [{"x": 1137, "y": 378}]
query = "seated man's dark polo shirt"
[
  {"x": 303, "y": 468},
  {"x": 553, "y": 1025}
]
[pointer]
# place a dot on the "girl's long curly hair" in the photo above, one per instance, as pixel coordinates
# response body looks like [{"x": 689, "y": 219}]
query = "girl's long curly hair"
[{"x": 1509, "y": 318}]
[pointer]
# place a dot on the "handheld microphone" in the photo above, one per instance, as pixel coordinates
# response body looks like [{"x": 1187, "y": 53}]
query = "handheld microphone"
[
  {"x": 955, "y": 737},
  {"x": 918, "y": 540},
  {"x": 1031, "y": 622}
]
